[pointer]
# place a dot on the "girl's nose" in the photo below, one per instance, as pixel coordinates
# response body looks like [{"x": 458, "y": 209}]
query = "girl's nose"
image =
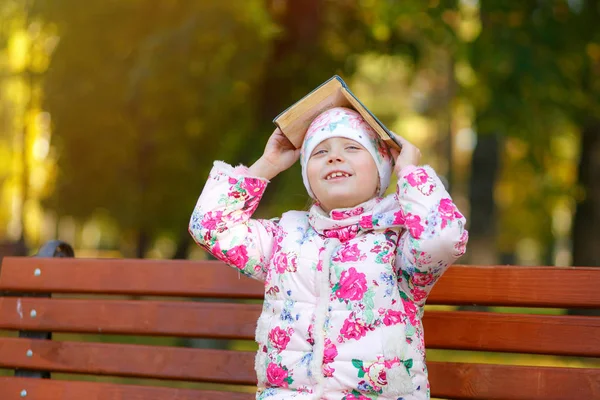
[{"x": 334, "y": 158}]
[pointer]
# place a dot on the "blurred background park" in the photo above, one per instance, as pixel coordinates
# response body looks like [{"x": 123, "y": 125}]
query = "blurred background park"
[{"x": 112, "y": 112}]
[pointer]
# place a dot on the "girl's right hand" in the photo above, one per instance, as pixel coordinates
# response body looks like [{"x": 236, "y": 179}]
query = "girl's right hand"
[{"x": 279, "y": 155}]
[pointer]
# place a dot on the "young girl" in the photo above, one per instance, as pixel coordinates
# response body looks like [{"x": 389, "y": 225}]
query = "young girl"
[{"x": 345, "y": 282}]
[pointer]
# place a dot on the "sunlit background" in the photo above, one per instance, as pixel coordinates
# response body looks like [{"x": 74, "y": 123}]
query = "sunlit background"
[{"x": 112, "y": 113}]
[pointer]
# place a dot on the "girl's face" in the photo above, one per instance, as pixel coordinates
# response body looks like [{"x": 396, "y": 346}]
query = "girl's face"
[{"x": 341, "y": 173}]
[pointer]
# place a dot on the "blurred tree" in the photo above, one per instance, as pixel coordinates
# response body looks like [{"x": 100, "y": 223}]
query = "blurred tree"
[
  {"x": 536, "y": 66},
  {"x": 142, "y": 108},
  {"x": 24, "y": 57}
]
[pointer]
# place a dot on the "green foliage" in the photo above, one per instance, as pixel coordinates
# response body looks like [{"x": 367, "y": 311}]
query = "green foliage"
[{"x": 144, "y": 96}]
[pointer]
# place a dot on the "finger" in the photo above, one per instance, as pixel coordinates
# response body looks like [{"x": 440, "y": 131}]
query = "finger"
[
  {"x": 284, "y": 140},
  {"x": 402, "y": 140}
]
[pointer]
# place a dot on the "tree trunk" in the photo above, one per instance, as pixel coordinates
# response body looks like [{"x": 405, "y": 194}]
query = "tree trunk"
[
  {"x": 482, "y": 220},
  {"x": 183, "y": 246},
  {"x": 481, "y": 249},
  {"x": 143, "y": 243},
  {"x": 586, "y": 227},
  {"x": 291, "y": 71},
  {"x": 286, "y": 67}
]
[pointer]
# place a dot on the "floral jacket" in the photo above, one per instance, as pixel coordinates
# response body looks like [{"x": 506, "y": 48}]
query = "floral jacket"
[{"x": 344, "y": 291}]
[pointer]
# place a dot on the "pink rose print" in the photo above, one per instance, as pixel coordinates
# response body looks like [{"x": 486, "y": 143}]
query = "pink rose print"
[
  {"x": 276, "y": 375},
  {"x": 461, "y": 246},
  {"x": 352, "y": 285},
  {"x": 310, "y": 339},
  {"x": 399, "y": 217},
  {"x": 366, "y": 222},
  {"x": 253, "y": 186},
  {"x": 413, "y": 224},
  {"x": 330, "y": 352},
  {"x": 328, "y": 370},
  {"x": 216, "y": 251},
  {"x": 320, "y": 263},
  {"x": 339, "y": 215},
  {"x": 417, "y": 177},
  {"x": 251, "y": 204},
  {"x": 421, "y": 257},
  {"x": 320, "y": 122},
  {"x": 353, "y": 330},
  {"x": 280, "y": 338},
  {"x": 421, "y": 180},
  {"x": 320, "y": 266},
  {"x": 392, "y": 317},
  {"x": 284, "y": 262},
  {"x": 280, "y": 262},
  {"x": 304, "y": 389},
  {"x": 418, "y": 294},
  {"x": 211, "y": 219},
  {"x": 383, "y": 150},
  {"x": 352, "y": 396},
  {"x": 349, "y": 253},
  {"x": 411, "y": 311},
  {"x": 448, "y": 211},
  {"x": 238, "y": 256},
  {"x": 356, "y": 121},
  {"x": 422, "y": 279},
  {"x": 343, "y": 234}
]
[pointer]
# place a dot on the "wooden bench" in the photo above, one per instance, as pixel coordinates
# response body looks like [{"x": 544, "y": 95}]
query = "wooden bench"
[{"x": 144, "y": 298}]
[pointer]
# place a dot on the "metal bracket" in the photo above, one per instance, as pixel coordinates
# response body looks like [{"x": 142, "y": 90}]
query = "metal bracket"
[{"x": 53, "y": 248}]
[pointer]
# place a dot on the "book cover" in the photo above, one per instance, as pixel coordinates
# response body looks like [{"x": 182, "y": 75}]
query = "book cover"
[{"x": 334, "y": 92}]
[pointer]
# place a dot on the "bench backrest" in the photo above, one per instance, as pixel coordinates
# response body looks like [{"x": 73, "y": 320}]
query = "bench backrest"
[{"x": 76, "y": 306}]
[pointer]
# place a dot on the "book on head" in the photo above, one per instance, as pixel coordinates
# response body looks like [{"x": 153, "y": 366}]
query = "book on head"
[{"x": 295, "y": 120}]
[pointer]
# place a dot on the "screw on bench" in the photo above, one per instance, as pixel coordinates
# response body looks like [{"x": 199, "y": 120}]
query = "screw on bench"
[{"x": 54, "y": 249}]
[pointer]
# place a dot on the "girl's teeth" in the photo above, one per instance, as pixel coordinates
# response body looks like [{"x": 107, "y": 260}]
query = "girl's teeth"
[{"x": 336, "y": 174}]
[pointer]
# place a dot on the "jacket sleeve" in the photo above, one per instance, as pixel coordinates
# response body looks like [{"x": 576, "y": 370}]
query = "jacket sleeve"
[
  {"x": 434, "y": 233},
  {"x": 221, "y": 221}
]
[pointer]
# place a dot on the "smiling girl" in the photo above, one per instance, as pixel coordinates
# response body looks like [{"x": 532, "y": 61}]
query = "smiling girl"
[{"x": 345, "y": 282}]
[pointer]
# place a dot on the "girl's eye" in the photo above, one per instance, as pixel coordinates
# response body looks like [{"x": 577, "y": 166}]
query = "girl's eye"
[
  {"x": 353, "y": 147},
  {"x": 322, "y": 151}
]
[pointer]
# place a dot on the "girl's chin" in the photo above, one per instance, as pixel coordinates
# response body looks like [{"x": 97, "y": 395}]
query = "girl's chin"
[{"x": 339, "y": 203}]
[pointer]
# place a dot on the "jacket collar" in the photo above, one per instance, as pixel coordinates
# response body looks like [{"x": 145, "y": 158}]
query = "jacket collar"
[{"x": 347, "y": 223}]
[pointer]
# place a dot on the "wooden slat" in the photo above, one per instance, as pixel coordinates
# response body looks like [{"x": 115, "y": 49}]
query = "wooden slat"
[
  {"x": 504, "y": 382},
  {"x": 43, "y": 389},
  {"x": 461, "y": 285},
  {"x": 448, "y": 380},
  {"x": 202, "y": 365},
  {"x": 126, "y": 276},
  {"x": 518, "y": 286},
  {"x": 536, "y": 334},
  {"x": 160, "y": 318}
]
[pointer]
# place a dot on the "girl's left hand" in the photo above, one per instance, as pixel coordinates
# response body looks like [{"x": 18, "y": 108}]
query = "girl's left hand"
[{"x": 410, "y": 155}]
